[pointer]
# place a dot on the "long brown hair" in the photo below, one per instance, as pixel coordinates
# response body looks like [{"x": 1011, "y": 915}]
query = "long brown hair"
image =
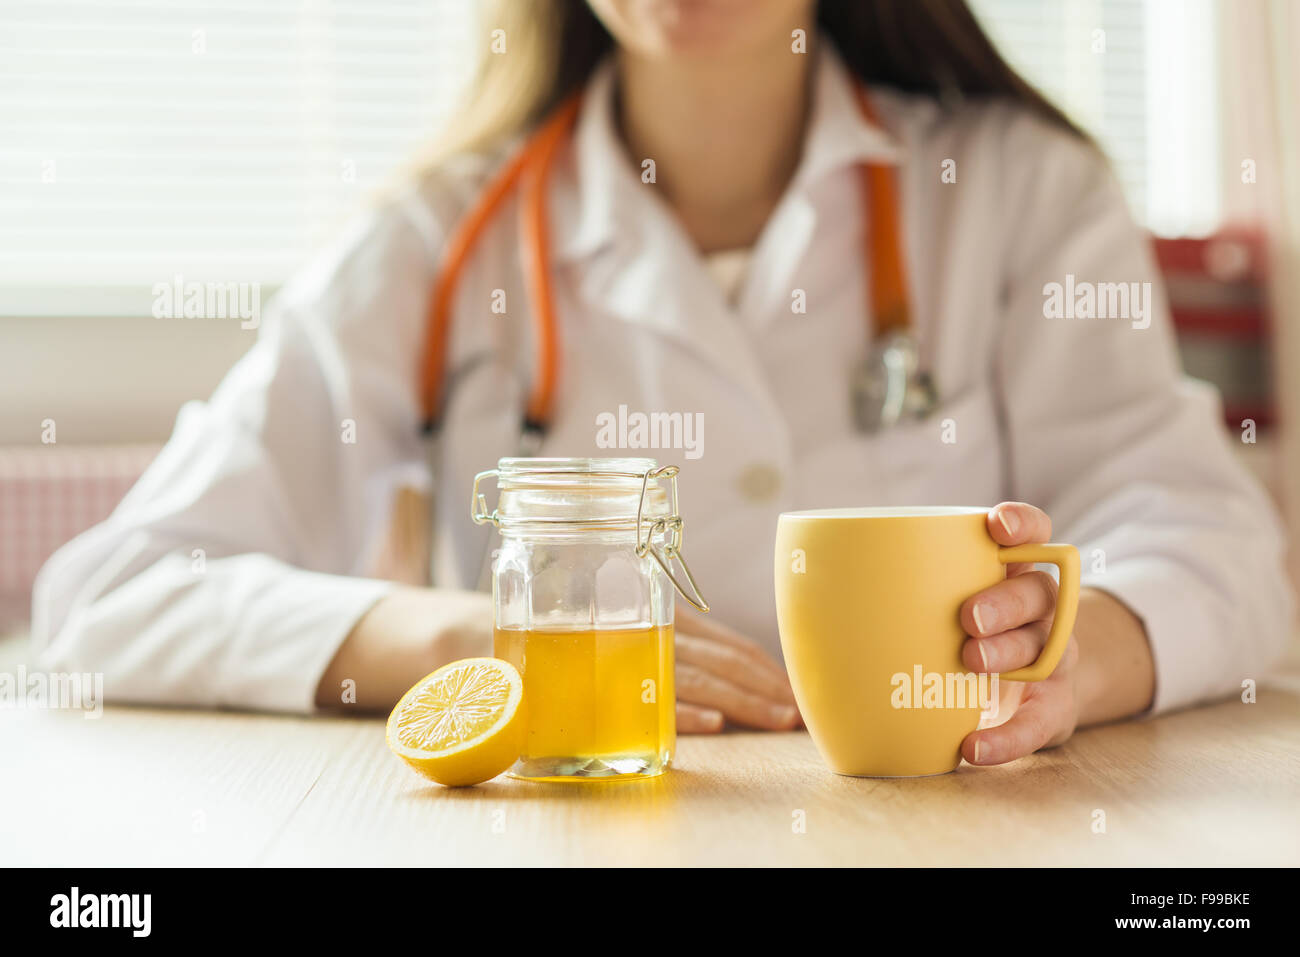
[{"x": 932, "y": 47}]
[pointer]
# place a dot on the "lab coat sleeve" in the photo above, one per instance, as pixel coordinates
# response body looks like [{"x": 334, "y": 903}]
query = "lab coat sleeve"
[
  {"x": 228, "y": 576},
  {"x": 1128, "y": 456}
]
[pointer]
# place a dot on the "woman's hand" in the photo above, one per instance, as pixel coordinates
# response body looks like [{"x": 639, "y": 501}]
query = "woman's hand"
[
  {"x": 1008, "y": 625},
  {"x": 407, "y": 634},
  {"x": 724, "y": 678}
]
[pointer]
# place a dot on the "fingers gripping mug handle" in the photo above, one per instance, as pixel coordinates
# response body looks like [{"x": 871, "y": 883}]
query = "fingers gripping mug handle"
[{"x": 1066, "y": 559}]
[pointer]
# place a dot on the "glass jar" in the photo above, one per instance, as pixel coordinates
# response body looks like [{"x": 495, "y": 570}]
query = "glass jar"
[{"x": 582, "y": 590}]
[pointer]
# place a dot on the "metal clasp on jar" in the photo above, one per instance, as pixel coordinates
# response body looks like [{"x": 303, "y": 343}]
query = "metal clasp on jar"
[{"x": 667, "y": 523}]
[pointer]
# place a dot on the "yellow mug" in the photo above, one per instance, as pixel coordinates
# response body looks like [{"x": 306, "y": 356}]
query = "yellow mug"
[{"x": 867, "y": 600}]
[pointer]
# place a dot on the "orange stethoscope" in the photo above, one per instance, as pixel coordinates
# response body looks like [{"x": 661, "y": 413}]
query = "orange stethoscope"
[{"x": 888, "y": 385}]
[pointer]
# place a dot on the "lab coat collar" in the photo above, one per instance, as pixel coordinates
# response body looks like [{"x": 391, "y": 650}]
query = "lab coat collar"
[
  {"x": 584, "y": 215},
  {"x": 838, "y": 134},
  {"x": 839, "y": 138},
  {"x": 604, "y": 182}
]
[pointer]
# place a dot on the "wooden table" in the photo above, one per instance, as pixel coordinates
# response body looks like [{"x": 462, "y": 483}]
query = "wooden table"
[{"x": 1216, "y": 785}]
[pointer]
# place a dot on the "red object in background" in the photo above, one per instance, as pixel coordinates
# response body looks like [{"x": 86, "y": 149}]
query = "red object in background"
[{"x": 1218, "y": 294}]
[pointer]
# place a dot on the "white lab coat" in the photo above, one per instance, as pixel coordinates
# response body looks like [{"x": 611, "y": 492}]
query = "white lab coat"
[{"x": 1088, "y": 418}]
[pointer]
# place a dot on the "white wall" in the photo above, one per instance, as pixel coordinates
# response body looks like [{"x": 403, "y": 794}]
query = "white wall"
[{"x": 108, "y": 380}]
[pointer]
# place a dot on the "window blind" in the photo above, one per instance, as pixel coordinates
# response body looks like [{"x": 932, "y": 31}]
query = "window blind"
[
  {"x": 1141, "y": 77},
  {"x": 140, "y": 139}
]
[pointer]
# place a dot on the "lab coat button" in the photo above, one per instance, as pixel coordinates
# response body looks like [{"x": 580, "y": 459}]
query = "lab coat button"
[{"x": 760, "y": 483}]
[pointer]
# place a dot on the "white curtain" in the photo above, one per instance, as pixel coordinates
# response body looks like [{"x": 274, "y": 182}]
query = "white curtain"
[{"x": 1261, "y": 125}]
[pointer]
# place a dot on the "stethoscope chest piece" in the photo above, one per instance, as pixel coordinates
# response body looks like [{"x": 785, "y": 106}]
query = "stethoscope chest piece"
[{"x": 889, "y": 385}]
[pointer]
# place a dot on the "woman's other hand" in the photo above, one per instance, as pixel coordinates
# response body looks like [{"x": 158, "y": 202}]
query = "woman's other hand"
[{"x": 724, "y": 678}]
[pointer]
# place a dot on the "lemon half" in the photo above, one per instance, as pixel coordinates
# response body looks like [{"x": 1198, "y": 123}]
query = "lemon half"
[{"x": 463, "y": 724}]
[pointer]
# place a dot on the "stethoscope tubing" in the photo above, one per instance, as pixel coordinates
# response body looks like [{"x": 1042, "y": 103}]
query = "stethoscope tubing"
[{"x": 530, "y": 169}]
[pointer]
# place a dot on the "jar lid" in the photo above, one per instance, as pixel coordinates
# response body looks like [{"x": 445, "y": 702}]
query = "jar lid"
[
  {"x": 607, "y": 494},
  {"x": 604, "y": 493}
]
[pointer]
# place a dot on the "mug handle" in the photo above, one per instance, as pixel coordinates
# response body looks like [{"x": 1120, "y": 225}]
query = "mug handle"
[{"x": 1066, "y": 559}]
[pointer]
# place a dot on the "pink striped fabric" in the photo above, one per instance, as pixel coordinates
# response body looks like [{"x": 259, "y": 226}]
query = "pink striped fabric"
[{"x": 49, "y": 494}]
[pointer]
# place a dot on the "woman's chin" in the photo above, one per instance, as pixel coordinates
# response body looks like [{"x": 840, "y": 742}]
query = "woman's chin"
[{"x": 699, "y": 28}]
